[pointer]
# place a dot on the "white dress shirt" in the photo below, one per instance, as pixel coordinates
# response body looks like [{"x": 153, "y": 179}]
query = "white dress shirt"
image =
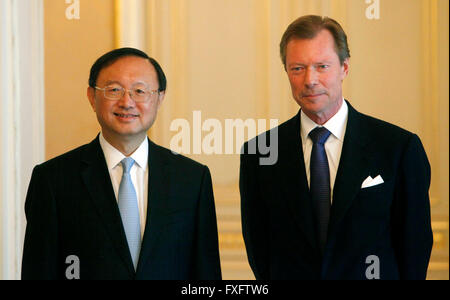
[
  {"x": 333, "y": 146},
  {"x": 138, "y": 172}
]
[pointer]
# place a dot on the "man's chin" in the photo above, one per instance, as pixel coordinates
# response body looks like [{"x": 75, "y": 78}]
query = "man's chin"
[
  {"x": 311, "y": 106},
  {"x": 132, "y": 133},
  {"x": 128, "y": 133}
]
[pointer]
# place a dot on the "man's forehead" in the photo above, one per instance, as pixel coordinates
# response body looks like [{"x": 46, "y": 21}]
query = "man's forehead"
[
  {"x": 131, "y": 62},
  {"x": 322, "y": 35},
  {"x": 318, "y": 48},
  {"x": 128, "y": 66}
]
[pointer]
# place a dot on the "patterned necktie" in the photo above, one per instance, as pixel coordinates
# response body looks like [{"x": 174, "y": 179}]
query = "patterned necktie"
[
  {"x": 129, "y": 211},
  {"x": 320, "y": 182}
]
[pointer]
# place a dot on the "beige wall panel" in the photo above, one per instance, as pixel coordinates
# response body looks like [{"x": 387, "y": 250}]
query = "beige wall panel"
[
  {"x": 223, "y": 70},
  {"x": 386, "y": 63},
  {"x": 71, "y": 47}
]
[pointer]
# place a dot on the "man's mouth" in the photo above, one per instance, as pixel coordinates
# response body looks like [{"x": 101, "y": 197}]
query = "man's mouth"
[
  {"x": 312, "y": 95},
  {"x": 126, "y": 115}
]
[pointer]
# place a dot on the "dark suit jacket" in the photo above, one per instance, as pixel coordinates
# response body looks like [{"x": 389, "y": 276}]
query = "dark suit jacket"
[
  {"x": 71, "y": 210},
  {"x": 390, "y": 220}
]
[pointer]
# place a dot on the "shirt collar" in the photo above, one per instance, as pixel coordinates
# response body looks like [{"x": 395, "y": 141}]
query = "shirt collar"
[
  {"x": 113, "y": 156},
  {"x": 336, "y": 125}
]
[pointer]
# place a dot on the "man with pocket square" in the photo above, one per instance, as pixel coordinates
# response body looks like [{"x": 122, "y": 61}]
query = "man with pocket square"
[{"x": 348, "y": 196}]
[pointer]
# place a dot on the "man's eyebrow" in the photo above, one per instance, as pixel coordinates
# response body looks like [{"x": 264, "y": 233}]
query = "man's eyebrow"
[
  {"x": 296, "y": 64},
  {"x": 111, "y": 82},
  {"x": 321, "y": 62},
  {"x": 118, "y": 82}
]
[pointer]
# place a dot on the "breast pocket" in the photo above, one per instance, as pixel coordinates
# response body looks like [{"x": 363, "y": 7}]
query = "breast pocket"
[{"x": 376, "y": 200}]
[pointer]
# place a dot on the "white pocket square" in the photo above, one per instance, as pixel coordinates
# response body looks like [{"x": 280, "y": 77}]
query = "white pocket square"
[{"x": 372, "y": 182}]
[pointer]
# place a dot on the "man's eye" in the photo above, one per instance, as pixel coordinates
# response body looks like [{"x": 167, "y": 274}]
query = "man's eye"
[
  {"x": 114, "y": 89},
  {"x": 324, "y": 66},
  {"x": 296, "y": 69},
  {"x": 140, "y": 91}
]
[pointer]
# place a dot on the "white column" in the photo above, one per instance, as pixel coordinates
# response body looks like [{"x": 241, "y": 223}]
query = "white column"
[
  {"x": 130, "y": 23},
  {"x": 22, "y": 121}
]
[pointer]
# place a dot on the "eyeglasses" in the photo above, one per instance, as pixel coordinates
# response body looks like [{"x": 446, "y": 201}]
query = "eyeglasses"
[{"x": 139, "y": 92}]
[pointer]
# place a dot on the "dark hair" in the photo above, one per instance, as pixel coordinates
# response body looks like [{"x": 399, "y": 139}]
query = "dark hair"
[
  {"x": 307, "y": 27},
  {"x": 112, "y": 56}
]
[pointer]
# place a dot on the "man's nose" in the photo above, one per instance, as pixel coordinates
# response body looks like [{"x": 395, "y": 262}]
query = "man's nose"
[
  {"x": 311, "y": 77},
  {"x": 126, "y": 100}
]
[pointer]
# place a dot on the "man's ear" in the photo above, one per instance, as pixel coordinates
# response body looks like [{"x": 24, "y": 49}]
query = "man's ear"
[
  {"x": 161, "y": 96},
  {"x": 91, "y": 96},
  {"x": 345, "y": 68}
]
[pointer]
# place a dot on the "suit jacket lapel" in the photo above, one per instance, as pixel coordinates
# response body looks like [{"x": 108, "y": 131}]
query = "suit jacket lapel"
[
  {"x": 96, "y": 177},
  {"x": 158, "y": 193},
  {"x": 296, "y": 187},
  {"x": 352, "y": 170}
]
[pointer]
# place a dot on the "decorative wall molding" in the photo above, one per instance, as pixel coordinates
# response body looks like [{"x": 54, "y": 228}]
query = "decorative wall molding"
[
  {"x": 22, "y": 124},
  {"x": 431, "y": 101}
]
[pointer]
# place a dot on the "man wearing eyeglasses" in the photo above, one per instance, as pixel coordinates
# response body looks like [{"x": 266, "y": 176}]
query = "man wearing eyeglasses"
[{"x": 121, "y": 207}]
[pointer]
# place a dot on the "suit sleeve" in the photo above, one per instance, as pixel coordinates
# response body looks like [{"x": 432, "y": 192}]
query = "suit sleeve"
[
  {"x": 207, "y": 258},
  {"x": 413, "y": 238},
  {"x": 254, "y": 216},
  {"x": 40, "y": 252}
]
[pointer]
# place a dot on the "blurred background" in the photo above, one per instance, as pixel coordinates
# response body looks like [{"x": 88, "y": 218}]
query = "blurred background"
[{"x": 221, "y": 58}]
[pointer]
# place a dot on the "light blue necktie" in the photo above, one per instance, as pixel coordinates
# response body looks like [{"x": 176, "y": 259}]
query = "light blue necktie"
[{"x": 129, "y": 211}]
